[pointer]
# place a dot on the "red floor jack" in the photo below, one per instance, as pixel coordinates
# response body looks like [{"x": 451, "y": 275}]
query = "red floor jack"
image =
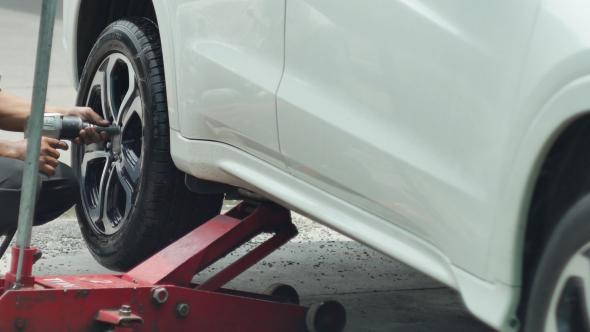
[{"x": 157, "y": 295}]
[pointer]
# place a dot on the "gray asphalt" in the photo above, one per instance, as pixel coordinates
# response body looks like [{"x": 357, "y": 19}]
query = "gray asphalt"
[{"x": 379, "y": 293}]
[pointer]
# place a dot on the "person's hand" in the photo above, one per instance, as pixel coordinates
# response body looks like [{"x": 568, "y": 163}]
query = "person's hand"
[
  {"x": 89, "y": 135},
  {"x": 49, "y": 154}
]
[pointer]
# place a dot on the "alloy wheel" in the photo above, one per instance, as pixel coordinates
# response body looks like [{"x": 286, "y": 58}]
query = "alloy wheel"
[
  {"x": 110, "y": 170},
  {"x": 569, "y": 307}
]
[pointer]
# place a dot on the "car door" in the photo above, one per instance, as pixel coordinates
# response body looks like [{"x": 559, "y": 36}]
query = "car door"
[
  {"x": 401, "y": 107},
  {"x": 229, "y": 60}
]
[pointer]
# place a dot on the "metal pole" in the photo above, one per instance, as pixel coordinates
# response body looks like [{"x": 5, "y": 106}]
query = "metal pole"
[{"x": 31, "y": 173}]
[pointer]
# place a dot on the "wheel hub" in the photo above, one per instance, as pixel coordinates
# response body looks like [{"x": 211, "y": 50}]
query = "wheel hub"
[{"x": 114, "y": 147}]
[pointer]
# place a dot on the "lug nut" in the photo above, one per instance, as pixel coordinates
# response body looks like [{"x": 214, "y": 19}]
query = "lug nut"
[
  {"x": 182, "y": 309},
  {"x": 125, "y": 310},
  {"x": 159, "y": 294}
]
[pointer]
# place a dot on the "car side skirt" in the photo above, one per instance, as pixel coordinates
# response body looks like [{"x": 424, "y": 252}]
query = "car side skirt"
[{"x": 221, "y": 162}]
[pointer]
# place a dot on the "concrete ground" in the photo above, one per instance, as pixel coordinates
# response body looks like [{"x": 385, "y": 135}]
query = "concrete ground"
[{"x": 379, "y": 293}]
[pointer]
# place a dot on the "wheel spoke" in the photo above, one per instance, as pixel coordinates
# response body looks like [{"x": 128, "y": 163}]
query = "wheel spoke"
[
  {"x": 131, "y": 139},
  {"x": 131, "y": 165},
  {"x": 569, "y": 307},
  {"x": 119, "y": 197},
  {"x": 95, "y": 170},
  {"x": 579, "y": 267},
  {"x": 551, "y": 324},
  {"x": 121, "y": 85},
  {"x": 109, "y": 91},
  {"x": 98, "y": 82},
  {"x": 131, "y": 101},
  {"x": 585, "y": 275},
  {"x": 97, "y": 98},
  {"x": 128, "y": 188},
  {"x": 572, "y": 313},
  {"x": 106, "y": 222},
  {"x": 134, "y": 108}
]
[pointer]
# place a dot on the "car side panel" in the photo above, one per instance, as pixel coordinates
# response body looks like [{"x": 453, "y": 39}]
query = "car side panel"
[
  {"x": 402, "y": 108},
  {"x": 229, "y": 58}
]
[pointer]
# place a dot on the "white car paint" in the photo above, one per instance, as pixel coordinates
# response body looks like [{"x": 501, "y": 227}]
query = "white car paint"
[
  {"x": 553, "y": 92},
  {"x": 70, "y": 21},
  {"x": 230, "y": 60},
  {"x": 400, "y": 107},
  {"x": 358, "y": 140}
]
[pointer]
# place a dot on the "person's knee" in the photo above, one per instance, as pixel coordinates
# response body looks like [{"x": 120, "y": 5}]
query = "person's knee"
[
  {"x": 69, "y": 185},
  {"x": 12, "y": 173},
  {"x": 72, "y": 185},
  {"x": 58, "y": 194},
  {"x": 11, "y": 179}
]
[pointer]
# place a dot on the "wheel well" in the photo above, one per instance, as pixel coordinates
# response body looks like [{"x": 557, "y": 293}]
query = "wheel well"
[
  {"x": 564, "y": 178},
  {"x": 96, "y": 15}
]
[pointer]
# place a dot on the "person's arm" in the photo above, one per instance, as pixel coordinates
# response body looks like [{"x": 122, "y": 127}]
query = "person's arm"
[
  {"x": 14, "y": 111},
  {"x": 48, "y": 154}
]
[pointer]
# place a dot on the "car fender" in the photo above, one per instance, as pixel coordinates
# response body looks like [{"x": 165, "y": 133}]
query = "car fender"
[
  {"x": 554, "y": 91},
  {"x": 509, "y": 229}
]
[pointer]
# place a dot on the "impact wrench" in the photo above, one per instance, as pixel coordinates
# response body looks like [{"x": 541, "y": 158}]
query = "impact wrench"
[{"x": 61, "y": 126}]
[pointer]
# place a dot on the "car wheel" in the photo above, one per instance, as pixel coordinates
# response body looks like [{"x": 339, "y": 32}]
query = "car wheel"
[
  {"x": 560, "y": 293},
  {"x": 133, "y": 200}
]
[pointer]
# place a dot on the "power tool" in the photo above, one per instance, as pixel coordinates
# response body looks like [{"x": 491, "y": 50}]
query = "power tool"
[{"x": 59, "y": 126}]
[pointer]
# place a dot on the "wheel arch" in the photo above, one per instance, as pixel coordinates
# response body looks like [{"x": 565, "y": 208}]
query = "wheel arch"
[
  {"x": 536, "y": 134},
  {"x": 551, "y": 103},
  {"x": 93, "y": 16},
  {"x": 561, "y": 179},
  {"x": 547, "y": 136}
]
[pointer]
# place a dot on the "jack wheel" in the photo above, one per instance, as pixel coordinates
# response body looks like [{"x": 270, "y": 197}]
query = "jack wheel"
[
  {"x": 284, "y": 291},
  {"x": 327, "y": 316}
]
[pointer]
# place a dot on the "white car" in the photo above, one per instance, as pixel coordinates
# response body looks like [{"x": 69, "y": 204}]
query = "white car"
[{"x": 450, "y": 135}]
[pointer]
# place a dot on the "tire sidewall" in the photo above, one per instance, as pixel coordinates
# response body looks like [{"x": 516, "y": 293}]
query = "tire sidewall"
[
  {"x": 117, "y": 39},
  {"x": 571, "y": 234}
]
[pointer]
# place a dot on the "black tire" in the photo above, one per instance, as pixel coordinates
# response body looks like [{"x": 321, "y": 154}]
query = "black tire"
[
  {"x": 553, "y": 283},
  {"x": 133, "y": 199}
]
